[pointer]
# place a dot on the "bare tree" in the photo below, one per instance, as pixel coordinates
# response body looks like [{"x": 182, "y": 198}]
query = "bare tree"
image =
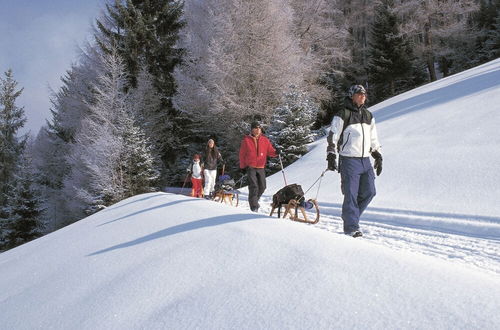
[
  {"x": 242, "y": 60},
  {"x": 431, "y": 24}
]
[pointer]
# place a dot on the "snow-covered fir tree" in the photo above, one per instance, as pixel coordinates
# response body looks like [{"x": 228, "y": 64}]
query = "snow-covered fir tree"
[
  {"x": 12, "y": 118},
  {"x": 290, "y": 128},
  {"x": 70, "y": 104},
  {"x": 140, "y": 166},
  {"x": 145, "y": 34},
  {"x": 110, "y": 158},
  {"x": 24, "y": 207}
]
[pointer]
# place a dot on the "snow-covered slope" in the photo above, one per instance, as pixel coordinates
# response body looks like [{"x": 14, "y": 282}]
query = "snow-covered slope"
[
  {"x": 430, "y": 257},
  {"x": 164, "y": 261},
  {"x": 441, "y": 148},
  {"x": 439, "y": 192}
]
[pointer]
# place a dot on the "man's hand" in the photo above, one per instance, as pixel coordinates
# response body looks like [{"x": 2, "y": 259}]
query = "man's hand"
[
  {"x": 332, "y": 161},
  {"x": 378, "y": 162},
  {"x": 243, "y": 170}
]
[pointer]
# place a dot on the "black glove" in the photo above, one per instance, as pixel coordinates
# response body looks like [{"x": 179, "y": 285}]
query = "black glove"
[
  {"x": 243, "y": 170},
  {"x": 332, "y": 161},
  {"x": 378, "y": 162},
  {"x": 278, "y": 151}
]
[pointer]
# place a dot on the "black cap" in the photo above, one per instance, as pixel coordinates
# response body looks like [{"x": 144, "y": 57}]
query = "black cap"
[{"x": 255, "y": 124}]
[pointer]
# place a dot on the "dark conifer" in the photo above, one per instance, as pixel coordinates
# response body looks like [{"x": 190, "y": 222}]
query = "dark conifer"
[
  {"x": 12, "y": 118},
  {"x": 145, "y": 33},
  {"x": 392, "y": 68},
  {"x": 23, "y": 208}
]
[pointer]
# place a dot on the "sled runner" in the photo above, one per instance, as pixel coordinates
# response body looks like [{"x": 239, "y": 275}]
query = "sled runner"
[
  {"x": 225, "y": 191},
  {"x": 291, "y": 197}
]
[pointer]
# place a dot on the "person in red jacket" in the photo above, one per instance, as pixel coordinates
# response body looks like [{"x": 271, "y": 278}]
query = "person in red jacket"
[{"x": 254, "y": 150}]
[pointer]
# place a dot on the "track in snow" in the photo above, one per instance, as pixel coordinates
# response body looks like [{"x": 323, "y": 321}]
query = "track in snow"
[{"x": 469, "y": 240}]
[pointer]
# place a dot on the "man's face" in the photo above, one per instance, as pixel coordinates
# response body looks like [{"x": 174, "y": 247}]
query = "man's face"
[
  {"x": 359, "y": 99},
  {"x": 256, "y": 131}
]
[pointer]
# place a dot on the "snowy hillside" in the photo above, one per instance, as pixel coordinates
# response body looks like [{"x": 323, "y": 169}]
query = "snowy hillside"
[
  {"x": 439, "y": 192},
  {"x": 164, "y": 261},
  {"x": 430, "y": 257}
]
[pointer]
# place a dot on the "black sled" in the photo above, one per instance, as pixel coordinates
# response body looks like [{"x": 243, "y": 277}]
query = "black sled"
[{"x": 291, "y": 197}]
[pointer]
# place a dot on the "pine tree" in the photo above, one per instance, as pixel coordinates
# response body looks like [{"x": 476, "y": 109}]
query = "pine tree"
[
  {"x": 11, "y": 120},
  {"x": 139, "y": 165},
  {"x": 24, "y": 207},
  {"x": 145, "y": 34},
  {"x": 95, "y": 179},
  {"x": 392, "y": 64},
  {"x": 492, "y": 44},
  {"x": 484, "y": 21},
  {"x": 290, "y": 128},
  {"x": 70, "y": 104},
  {"x": 111, "y": 158}
]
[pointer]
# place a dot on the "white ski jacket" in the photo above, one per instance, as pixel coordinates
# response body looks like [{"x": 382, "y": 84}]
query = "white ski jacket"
[
  {"x": 195, "y": 169},
  {"x": 353, "y": 132}
]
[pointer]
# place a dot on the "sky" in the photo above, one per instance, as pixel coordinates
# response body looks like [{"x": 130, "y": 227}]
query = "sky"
[
  {"x": 39, "y": 41},
  {"x": 429, "y": 257}
]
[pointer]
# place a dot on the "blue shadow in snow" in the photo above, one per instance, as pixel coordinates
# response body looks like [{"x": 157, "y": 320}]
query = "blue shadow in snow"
[
  {"x": 207, "y": 222},
  {"x": 149, "y": 209},
  {"x": 402, "y": 212},
  {"x": 112, "y": 208},
  {"x": 441, "y": 95}
]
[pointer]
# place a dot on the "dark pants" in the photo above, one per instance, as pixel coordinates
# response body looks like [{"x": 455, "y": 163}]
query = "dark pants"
[
  {"x": 358, "y": 187},
  {"x": 256, "y": 186}
]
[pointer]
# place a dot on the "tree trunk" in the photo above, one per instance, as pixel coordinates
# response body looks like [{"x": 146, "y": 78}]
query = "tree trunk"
[
  {"x": 431, "y": 68},
  {"x": 430, "y": 56}
]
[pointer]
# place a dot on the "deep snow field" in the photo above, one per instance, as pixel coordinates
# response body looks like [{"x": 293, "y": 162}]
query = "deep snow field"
[{"x": 429, "y": 257}]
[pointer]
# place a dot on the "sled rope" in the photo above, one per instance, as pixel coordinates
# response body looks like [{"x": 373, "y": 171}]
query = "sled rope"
[
  {"x": 282, "y": 170},
  {"x": 318, "y": 179},
  {"x": 240, "y": 181}
]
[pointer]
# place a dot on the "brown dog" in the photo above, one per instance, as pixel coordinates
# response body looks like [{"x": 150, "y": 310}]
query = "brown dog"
[{"x": 225, "y": 196}]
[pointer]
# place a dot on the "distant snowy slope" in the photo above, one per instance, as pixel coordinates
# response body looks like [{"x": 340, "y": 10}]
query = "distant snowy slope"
[
  {"x": 439, "y": 192},
  {"x": 442, "y": 145},
  {"x": 441, "y": 149},
  {"x": 164, "y": 261}
]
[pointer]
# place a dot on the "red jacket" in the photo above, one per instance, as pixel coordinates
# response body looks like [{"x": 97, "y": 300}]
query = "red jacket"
[{"x": 254, "y": 151}]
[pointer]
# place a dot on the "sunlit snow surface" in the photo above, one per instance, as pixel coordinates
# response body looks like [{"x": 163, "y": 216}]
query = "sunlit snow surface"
[{"x": 429, "y": 257}]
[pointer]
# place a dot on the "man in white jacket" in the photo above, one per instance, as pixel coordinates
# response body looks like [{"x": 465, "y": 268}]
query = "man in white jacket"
[{"x": 354, "y": 136}]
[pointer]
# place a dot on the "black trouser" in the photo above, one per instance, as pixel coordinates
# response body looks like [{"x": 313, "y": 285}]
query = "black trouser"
[{"x": 256, "y": 186}]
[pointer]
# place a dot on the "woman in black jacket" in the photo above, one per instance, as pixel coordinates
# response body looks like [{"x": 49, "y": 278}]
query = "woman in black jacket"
[{"x": 211, "y": 156}]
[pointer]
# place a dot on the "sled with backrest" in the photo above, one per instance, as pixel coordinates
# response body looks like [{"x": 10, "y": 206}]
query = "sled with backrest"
[
  {"x": 225, "y": 190},
  {"x": 291, "y": 198}
]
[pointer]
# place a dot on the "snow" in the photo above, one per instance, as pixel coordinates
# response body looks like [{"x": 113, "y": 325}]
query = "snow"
[{"x": 430, "y": 256}]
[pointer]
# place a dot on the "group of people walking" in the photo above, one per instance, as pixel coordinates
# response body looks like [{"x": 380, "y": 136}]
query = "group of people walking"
[
  {"x": 352, "y": 135},
  {"x": 206, "y": 170}
]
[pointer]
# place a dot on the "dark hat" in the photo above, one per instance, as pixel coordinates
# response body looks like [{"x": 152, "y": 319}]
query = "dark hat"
[{"x": 255, "y": 124}]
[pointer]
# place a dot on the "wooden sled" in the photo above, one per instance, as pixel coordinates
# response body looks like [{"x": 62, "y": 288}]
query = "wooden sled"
[
  {"x": 226, "y": 196},
  {"x": 292, "y": 209}
]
